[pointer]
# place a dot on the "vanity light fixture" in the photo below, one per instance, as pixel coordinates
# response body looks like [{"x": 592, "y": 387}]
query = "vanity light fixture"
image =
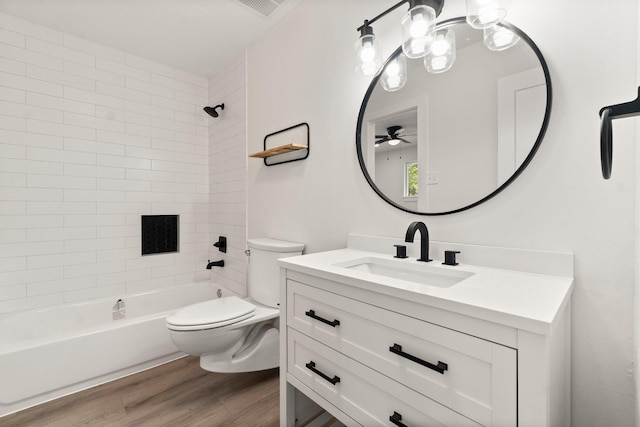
[
  {"x": 368, "y": 55},
  {"x": 418, "y": 25},
  {"x": 420, "y": 39}
]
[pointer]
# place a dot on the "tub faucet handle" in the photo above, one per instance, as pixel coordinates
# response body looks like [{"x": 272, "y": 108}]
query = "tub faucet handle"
[{"x": 221, "y": 244}]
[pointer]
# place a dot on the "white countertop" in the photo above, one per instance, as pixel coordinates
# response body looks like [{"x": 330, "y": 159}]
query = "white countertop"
[{"x": 523, "y": 300}]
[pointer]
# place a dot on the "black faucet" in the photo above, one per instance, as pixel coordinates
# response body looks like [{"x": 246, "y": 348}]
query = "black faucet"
[
  {"x": 215, "y": 264},
  {"x": 424, "y": 238}
]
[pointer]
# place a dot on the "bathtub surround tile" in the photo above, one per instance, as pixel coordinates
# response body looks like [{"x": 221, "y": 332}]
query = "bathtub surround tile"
[
  {"x": 13, "y": 95},
  {"x": 30, "y": 57},
  {"x": 77, "y": 245},
  {"x": 91, "y": 138},
  {"x": 19, "y": 109},
  {"x": 96, "y": 147},
  {"x": 30, "y": 84},
  {"x": 43, "y": 274},
  {"x": 12, "y": 38},
  {"x": 121, "y": 277},
  {"x": 13, "y": 292},
  {"x": 228, "y": 86},
  {"x": 91, "y": 48},
  {"x": 13, "y": 264},
  {"x": 12, "y": 123},
  {"x": 151, "y": 284},
  {"x": 12, "y": 67},
  {"x": 12, "y": 236},
  {"x": 60, "y": 208},
  {"x": 60, "y": 105},
  {"x": 58, "y": 51},
  {"x": 124, "y": 139},
  {"x": 13, "y": 278},
  {"x": 123, "y": 116},
  {"x": 60, "y": 286},
  {"x": 60, "y": 77},
  {"x": 57, "y": 129}
]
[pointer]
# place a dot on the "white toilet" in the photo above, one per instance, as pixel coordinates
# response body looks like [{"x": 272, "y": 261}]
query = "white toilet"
[{"x": 233, "y": 334}]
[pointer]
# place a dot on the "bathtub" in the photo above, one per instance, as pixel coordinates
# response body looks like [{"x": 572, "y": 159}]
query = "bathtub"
[{"x": 51, "y": 352}]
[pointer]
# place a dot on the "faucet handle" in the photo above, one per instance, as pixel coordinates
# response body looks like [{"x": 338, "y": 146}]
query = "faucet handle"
[
  {"x": 401, "y": 251},
  {"x": 450, "y": 257}
]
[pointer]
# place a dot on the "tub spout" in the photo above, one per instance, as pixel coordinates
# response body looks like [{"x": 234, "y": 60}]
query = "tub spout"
[{"x": 215, "y": 264}]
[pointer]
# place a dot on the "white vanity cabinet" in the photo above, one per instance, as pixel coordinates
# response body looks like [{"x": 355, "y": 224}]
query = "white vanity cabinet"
[{"x": 371, "y": 354}]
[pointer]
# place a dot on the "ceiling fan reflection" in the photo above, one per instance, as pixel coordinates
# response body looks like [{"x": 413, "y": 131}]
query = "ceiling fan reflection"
[{"x": 395, "y": 135}]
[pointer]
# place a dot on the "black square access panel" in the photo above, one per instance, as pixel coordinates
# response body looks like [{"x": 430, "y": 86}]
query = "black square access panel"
[{"x": 159, "y": 234}]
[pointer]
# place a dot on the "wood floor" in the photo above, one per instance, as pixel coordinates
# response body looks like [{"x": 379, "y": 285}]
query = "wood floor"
[{"x": 178, "y": 393}]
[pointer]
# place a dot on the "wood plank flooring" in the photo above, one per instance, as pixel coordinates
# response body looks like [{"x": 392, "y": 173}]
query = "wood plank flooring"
[{"x": 178, "y": 393}]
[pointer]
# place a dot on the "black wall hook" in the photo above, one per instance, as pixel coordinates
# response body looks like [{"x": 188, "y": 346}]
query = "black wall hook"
[{"x": 618, "y": 111}]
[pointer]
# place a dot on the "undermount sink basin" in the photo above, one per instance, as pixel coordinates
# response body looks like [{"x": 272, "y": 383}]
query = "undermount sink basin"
[{"x": 422, "y": 273}]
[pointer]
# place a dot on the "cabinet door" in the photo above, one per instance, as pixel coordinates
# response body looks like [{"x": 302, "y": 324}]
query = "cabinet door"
[{"x": 472, "y": 376}]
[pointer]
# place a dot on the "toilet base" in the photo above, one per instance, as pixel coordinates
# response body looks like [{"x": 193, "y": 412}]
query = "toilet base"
[{"x": 258, "y": 350}]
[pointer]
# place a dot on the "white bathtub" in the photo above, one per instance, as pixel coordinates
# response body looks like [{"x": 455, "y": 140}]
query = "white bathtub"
[{"x": 48, "y": 353}]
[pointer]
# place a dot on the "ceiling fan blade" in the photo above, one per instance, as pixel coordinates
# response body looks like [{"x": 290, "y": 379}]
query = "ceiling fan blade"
[{"x": 404, "y": 140}]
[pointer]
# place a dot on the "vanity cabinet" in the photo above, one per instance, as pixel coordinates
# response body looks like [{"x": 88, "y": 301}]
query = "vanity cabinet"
[{"x": 370, "y": 358}]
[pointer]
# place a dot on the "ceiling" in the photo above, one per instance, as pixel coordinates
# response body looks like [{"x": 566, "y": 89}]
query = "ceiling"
[{"x": 199, "y": 36}]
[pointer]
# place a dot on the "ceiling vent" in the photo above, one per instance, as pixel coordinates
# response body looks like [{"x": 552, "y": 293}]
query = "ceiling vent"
[{"x": 263, "y": 7}]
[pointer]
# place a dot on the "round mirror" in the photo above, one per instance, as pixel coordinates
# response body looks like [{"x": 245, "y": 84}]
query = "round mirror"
[{"x": 446, "y": 142}]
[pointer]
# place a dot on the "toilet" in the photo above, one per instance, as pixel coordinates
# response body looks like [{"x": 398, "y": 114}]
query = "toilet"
[{"x": 233, "y": 334}]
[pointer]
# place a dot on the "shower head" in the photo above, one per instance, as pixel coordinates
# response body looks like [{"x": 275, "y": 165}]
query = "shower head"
[{"x": 212, "y": 110}]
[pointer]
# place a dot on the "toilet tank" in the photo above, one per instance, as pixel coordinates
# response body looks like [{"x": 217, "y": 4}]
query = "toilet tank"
[{"x": 264, "y": 272}]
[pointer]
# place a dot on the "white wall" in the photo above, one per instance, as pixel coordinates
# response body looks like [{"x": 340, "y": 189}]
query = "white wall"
[
  {"x": 227, "y": 177},
  {"x": 303, "y": 71},
  {"x": 90, "y": 139}
]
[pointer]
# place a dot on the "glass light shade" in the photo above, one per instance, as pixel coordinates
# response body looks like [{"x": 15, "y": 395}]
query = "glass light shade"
[
  {"x": 499, "y": 38},
  {"x": 368, "y": 56},
  {"x": 484, "y": 13},
  {"x": 394, "y": 76},
  {"x": 442, "y": 54},
  {"x": 393, "y": 142},
  {"x": 418, "y": 25}
]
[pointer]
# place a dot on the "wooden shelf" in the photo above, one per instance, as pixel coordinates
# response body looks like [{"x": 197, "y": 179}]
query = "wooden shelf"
[{"x": 276, "y": 151}]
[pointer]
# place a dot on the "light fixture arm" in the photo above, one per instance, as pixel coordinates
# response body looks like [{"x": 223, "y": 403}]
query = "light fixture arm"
[{"x": 437, "y": 5}]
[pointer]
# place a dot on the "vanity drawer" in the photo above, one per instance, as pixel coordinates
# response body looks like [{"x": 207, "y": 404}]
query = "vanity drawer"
[
  {"x": 474, "y": 377},
  {"x": 367, "y": 396}
]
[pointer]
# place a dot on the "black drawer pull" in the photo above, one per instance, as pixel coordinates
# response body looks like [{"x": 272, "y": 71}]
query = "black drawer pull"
[
  {"x": 312, "y": 367},
  {"x": 396, "y": 418},
  {"x": 440, "y": 367},
  {"x": 312, "y": 314}
]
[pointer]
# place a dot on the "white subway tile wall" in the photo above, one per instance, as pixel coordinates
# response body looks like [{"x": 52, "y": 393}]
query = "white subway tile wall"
[
  {"x": 90, "y": 139},
  {"x": 228, "y": 166}
]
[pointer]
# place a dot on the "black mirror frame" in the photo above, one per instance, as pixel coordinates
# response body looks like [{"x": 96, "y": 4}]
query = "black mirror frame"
[{"x": 525, "y": 163}]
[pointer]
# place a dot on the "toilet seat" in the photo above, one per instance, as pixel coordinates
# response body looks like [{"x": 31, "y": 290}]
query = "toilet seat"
[{"x": 211, "y": 314}]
